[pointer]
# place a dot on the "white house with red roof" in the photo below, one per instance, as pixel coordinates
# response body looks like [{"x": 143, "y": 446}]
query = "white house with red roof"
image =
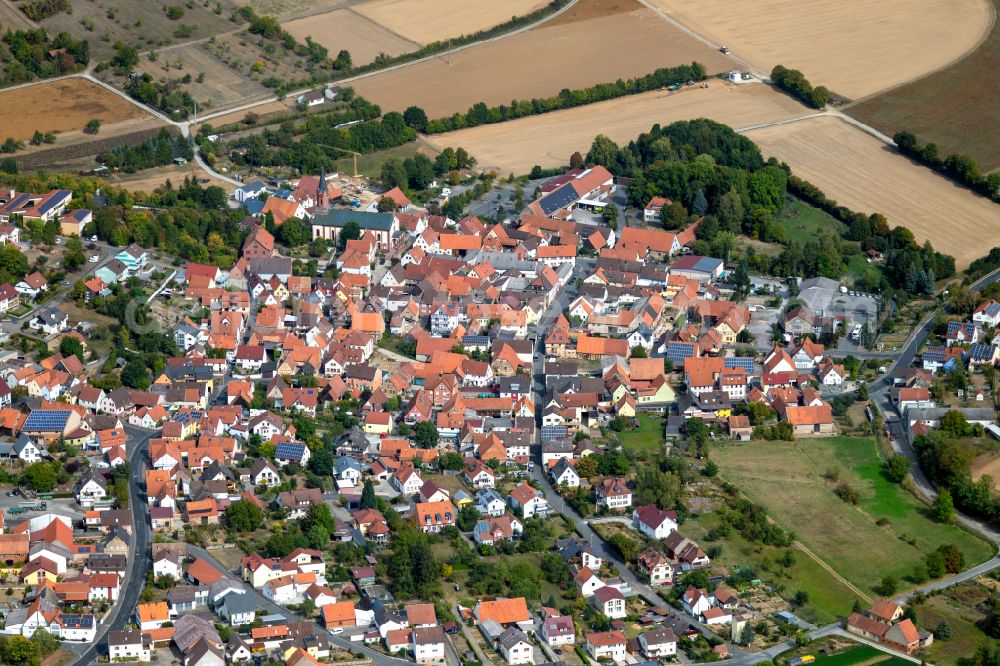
[{"x": 654, "y": 522}]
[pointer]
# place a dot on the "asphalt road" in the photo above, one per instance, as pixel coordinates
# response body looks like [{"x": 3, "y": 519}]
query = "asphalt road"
[{"x": 140, "y": 557}]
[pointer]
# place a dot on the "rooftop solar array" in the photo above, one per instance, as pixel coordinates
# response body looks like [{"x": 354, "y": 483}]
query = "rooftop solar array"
[
  {"x": 286, "y": 450},
  {"x": 46, "y": 420}
]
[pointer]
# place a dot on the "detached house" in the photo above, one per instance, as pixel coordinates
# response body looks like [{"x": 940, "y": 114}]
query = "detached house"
[{"x": 613, "y": 493}]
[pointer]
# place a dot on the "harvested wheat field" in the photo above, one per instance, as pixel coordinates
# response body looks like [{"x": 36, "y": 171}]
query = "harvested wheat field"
[
  {"x": 346, "y": 29},
  {"x": 853, "y": 48},
  {"x": 425, "y": 22},
  {"x": 861, "y": 172},
  {"x": 62, "y": 106},
  {"x": 540, "y": 63},
  {"x": 549, "y": 139}
]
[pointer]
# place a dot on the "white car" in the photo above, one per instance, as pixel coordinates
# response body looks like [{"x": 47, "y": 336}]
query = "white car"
[
  {"x": 94, "y": 259},
  {"x": 336, "y": 631},
  {"x": 93, "y": 239}
]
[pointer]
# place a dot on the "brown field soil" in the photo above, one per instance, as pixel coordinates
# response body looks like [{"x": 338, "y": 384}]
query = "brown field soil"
[
  {"x": 143, "y": 24},
  {"x": 986, "y": 464},
  {"x": 516, "y": 146},
  {"x": 149, "y": 179},
  {"x": 861, "y": 172},
  {"x": 424, "y": 22},
  {"x": 952, "y": 108},
  {"x": 222, "y": 85},
  {"x": 588, "y": 9},
  {"x": 575, "y": 55},
  {"x": 62, "y": 106},
  {"x": 108, "y": 130},
  {"x": 347, "y": 29},
  {"x": 853, "y": 48}
]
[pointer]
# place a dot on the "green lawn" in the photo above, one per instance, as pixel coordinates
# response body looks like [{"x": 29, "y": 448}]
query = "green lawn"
[
  {"x": 647, "y": 439},
  {"x": 804, "y": 222},
  {"x": 863, "y": 654},
  {"x": 788, "y": 479},
  {"x": 829, "y": 599}
]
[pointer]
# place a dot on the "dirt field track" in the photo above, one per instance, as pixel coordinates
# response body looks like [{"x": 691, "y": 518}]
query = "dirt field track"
[
  {"x": 853, "y": 48},
  {"x": 861, "y": 172},
  {"x": 423, "y": 22},
  {"x": 575, "y": 55},
  {"x": 347, "y": 29},
  {"x": 62, "y": 106},
  {"x": 516, "y": 146}
]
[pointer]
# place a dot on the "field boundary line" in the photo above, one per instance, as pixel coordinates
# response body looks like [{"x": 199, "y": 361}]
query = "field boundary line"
[
  {"x": 813, "y": 556},
  {"x": 826, "y": 567},
  {"x": 433, "y": 56},
  {"x": 24, "y": 17},
  {"x": 975, "y": 47}
]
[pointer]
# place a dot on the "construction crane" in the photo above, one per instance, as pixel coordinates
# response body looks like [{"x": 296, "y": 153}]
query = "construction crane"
[{"x": 344, "y": 150}]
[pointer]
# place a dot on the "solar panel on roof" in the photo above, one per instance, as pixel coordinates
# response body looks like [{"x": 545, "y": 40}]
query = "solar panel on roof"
[
  {"x": 560, "y": 198},
  {"x": 745, "y": 362},
  {"x": 550, "y": 433},
  {"x": 46, "y": 420},
  {"x": 286, "y": 450}
]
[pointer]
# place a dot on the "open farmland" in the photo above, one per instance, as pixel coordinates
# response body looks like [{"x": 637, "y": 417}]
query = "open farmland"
[
  {"x": 424, "y": 23},
  {"x": 62, "y": 106},
  {"x": 860, "y": 172},
  {"x": 955, "y": 108},
  {"x": 347, "y": 29},
  {"x": 786, "y": 477},
  {"x": 540, "y": 63},
  {"x": 143, "y": 24},
  {"x": 515, "y": 145},
  {"x": 853, "y": 48}
]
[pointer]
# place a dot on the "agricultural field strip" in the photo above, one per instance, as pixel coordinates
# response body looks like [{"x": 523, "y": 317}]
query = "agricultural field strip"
[
  {"x": 855, "y": 49},
  {"x": 861, "y": 172}
]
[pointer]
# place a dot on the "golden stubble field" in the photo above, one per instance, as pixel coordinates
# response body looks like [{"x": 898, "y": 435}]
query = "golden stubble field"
[
  {"x": 861, "y": 172},
  {"x": 549, "y": 139},
  {"x": 347, "y": 29},
  {"x": 853, "y": 48},
  {"x": 540, "y": 63},
  {"x": 425, "y": 22},
  {"x": 62, "y": 106}
]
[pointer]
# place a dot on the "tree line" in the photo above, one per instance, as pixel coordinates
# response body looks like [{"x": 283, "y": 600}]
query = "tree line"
[
  {"x": 793, "y": 81},
  {"x": 384, "y": 60},
  {"x": 714, "y": 174},
  {"x": 157, "y": 151},
  {"x": 960, "y": 168},
  {"x": 480, "y": 114},
  {"x": 24, "y": 55},
  {"x": 323, "y": 139}
]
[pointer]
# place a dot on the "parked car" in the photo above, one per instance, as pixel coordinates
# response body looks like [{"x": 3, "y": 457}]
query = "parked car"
[{"x": 94, "y": 259}]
